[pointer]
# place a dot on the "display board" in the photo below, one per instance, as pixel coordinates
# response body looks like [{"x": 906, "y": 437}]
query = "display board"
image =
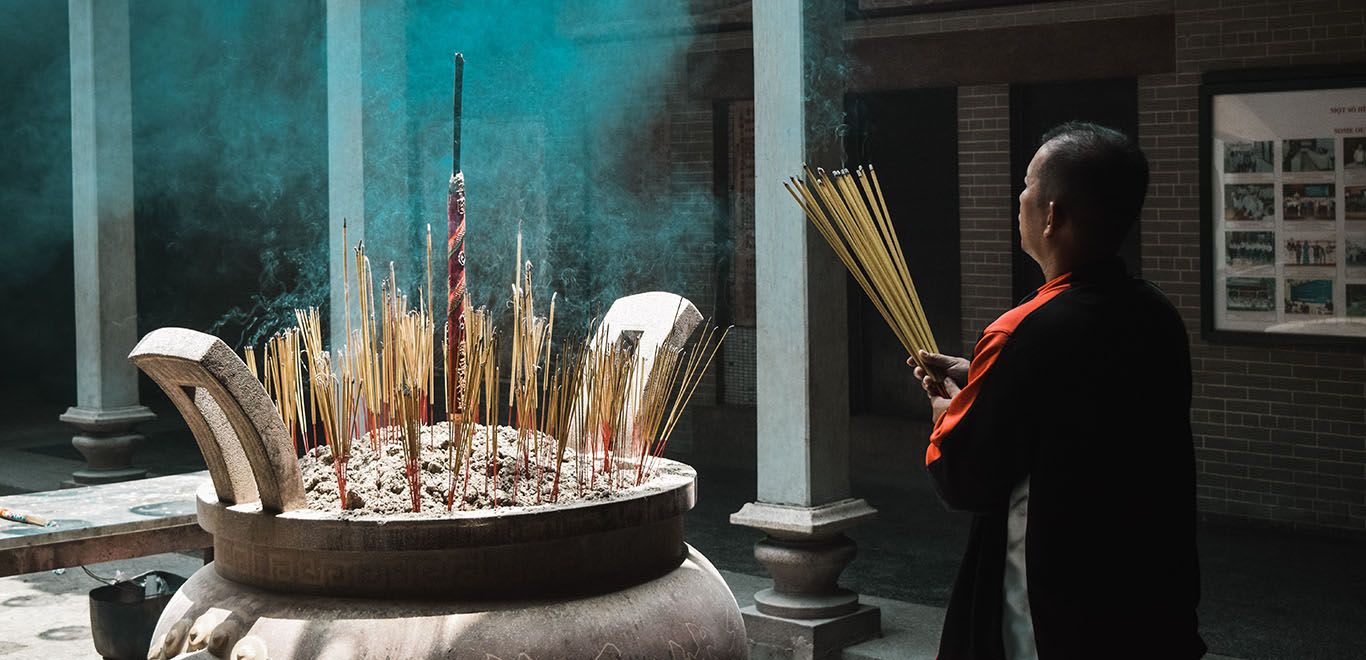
[{"x": 1285, "y": 209}]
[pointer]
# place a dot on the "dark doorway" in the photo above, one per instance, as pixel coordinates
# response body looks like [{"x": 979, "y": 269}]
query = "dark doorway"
[
  {"x": 911, "y": 137},
  {"x": 1037, "y": 108}
]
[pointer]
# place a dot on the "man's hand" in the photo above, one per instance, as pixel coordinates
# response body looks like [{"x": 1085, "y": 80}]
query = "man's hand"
[
  {"x": 941, "y": 397},
  {"x": 955, "y": 371},
  {"x": 951, "y": 366}
]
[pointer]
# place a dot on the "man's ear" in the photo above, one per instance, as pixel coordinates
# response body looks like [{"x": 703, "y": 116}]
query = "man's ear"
[{"x": 1053, "y": 221}]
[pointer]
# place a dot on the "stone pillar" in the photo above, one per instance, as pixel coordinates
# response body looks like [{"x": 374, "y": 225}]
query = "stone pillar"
[
  {"x": 804, "y": 503},
  {"x": 107, "y": 405},
  {"x": 345, "y": 151}
]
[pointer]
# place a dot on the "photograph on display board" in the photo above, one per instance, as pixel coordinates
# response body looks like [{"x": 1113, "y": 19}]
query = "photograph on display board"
[
  {"x": 1310, "y": 201},
  {"x": 1354, "y": 199},
  {"x": 1249, "y": 248},
  {"x": 1310, "y": 252},
  {"x": 1250, "y": 294},
  {"x": 1314, "y": 297},
  {"x": 1356, "y": 252},
  {"x": 1242, "y": 157},
  {"x": 1354, "y": 153},
  {"x": 1249, "y": 202},
  {"x": 1315, "y": 155},
  {"x": 1356, "y": 300}
]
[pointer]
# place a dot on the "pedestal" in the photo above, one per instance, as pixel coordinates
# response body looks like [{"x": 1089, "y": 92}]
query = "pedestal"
[
  {"x": 107, "y": 442},
  {"x": 806, "y": 614}
]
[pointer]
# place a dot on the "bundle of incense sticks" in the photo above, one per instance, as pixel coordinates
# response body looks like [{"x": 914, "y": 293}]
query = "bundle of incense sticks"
[
  {"x": 480, "y": 401},
  {"x": 667, "y": 392},
  {"x": 284, "y": 381},
  {"x": 848, "y": 209},
  {"x": 608, "y": 370},
  {"x": 410, "y": 425},
  {"x": 249, "y": 356},
  {"x": 616, "y": 408},
  {"x": 361, "y": 343},
  {"x": 560, "y": 410},
  {"x": 334, "y": 397},
  {"x": 530, "y": 343},
  {"x": 392, "y": 348}
]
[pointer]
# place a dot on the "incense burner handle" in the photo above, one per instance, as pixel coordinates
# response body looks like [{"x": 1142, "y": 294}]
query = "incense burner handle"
[
  {"x": 239, "y": 432},
  {"x": 645, "y": 320}
]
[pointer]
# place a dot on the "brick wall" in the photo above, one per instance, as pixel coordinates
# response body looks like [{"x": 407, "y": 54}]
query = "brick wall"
[
  {"x": 691, "y": 186},
  {"x": 1280, "y": 433},
  {"x": 740, "y": 150},
  {"x": 738, "y": 366},
  {"x": 984, "y": 206}
]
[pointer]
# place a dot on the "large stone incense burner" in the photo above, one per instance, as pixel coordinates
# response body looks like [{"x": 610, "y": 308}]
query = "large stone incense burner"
[{"x": 609, "y": 579}]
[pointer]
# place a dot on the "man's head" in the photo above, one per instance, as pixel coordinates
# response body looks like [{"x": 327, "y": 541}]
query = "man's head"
[{"x": 1084, "y": 189}]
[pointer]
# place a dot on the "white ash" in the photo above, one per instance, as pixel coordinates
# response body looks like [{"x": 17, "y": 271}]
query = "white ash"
[{"x": 377, "y": 484}]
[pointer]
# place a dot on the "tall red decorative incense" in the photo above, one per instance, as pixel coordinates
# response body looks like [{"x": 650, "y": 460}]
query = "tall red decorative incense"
[{"x": 455, "y": 259}]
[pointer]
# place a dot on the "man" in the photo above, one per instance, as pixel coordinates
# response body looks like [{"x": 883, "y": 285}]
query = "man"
[{"x": 1068, "y": 436}]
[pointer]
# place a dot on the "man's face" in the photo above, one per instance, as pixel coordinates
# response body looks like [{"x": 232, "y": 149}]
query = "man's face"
[{"x": 1033, "y": 208}]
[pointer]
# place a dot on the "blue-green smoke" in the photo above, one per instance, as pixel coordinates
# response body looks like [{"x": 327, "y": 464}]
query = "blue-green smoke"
[
  {"x": 569, "y": 132},
  {"x": 35, "y": 207},
  {"x": 565, "y": 134}
]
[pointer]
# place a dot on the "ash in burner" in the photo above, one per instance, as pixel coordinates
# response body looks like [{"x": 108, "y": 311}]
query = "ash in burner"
[{"x": 376, "y": 483}]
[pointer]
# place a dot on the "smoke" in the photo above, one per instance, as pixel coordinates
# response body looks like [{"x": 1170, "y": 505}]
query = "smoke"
[
  {"x": 570, "y": 133},
  {"x": 830, "y": 68},
  {"x": 35, "y": 197},
  {"x": 566, "y": 135},
  {"x": 35, "y": 208},
  {"x": 230, "y": 163}
]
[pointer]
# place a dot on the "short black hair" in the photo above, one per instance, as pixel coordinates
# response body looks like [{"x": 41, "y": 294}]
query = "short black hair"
[{"x": 1099, "y": 174}]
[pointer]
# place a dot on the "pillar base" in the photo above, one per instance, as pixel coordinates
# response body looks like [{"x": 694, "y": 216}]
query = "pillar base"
[
  {"x": 806, "y": 606},
  {"x": 806, "y": 614},
  {"x": 97, "y": 477},
  {"x": 780, "y": 638},
  {"x": 806, "y": 577},
  {"x": 107, "y": 443}
]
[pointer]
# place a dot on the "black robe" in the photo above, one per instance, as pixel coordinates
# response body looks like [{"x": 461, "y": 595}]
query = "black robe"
[{"x": 1084, "y": 388}]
